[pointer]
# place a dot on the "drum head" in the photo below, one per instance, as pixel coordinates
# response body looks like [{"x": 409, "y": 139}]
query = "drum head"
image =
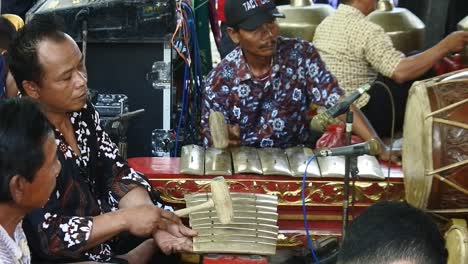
[
  {"x": 456, "y": 241},
  {"x": 417, "y": 146}
]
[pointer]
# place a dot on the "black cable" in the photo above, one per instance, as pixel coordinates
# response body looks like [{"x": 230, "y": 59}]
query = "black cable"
[{"x": 392, "y": 132}]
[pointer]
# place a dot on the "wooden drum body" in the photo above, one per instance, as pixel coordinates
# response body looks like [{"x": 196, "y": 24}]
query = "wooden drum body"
[
  {"x": 435, "y": 149},
  {"x": 456, "y": 242}
]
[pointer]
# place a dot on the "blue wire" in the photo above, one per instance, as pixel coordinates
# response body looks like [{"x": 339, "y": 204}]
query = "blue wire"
[
  {"x": 304, "y": 211},
  {"x": 192, "y": 50},
  {"x": 198, "y": 76},
  {"x": 185, "y": 87},
  {"x": 195, "y": 70},
  {"x": 184, "y": 95}
]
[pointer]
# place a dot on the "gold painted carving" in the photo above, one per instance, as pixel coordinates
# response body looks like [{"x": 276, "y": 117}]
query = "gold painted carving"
[{"x": 318, "y": 193}]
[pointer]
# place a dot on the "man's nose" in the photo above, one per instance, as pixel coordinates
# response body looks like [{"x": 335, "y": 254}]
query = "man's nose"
[
  {"x": 81, "y": 78},
  {"x": 267, "y": 29}
]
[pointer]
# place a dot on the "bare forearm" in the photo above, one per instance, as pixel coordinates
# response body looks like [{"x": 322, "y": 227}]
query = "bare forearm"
[
  {"x": 361, "y": 125},
  {"x": 108, "y": 225},
  {"x": 105, "y": 227},
  {"x": 137, "y": 196},
  {"x": 412, "y": 67}
]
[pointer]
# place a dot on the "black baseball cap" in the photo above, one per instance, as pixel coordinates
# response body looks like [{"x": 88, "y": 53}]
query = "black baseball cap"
[{"x": 250, "y": 14}]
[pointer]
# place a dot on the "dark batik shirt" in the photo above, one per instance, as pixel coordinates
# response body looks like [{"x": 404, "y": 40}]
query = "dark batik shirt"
[
  {"x": 87, "y": 186},
  {"x": 272, "y": 111}
]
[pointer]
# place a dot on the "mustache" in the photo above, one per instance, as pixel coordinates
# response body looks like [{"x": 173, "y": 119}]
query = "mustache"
[{"x": 268, "y": 44}]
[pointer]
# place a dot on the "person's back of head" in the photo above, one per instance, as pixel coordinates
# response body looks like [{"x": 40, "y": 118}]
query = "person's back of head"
[
  {"x": 393, "y": 233},
  {"x": 23, "y": 51},
  {"x": 23, "y": 131}
]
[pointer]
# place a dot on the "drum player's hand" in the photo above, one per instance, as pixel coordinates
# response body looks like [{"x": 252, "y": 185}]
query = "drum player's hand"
[
  {"x": 393, "y": 157},
  {"x": 234, "y": 135},
  {"x": 143, "y": 220},
  {"x": 168, "y": 243},
  {"x": 456, "y": 41}
]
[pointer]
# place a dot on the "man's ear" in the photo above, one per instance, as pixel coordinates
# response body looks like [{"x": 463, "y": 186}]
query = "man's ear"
[
  {"x": 17, "y": 188},
  {"x": 31, "y": 89},
  {"x": 234, "y": 35}
]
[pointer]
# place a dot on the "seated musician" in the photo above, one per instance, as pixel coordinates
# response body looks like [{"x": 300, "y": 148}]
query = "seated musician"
[
  {"x": 98, "y": 198},
  {"x": 358, "y": 51},
  {"x": 9, "y": 25},
  {"x": 28, "y": 168},
  {"x": 265, "y": 86},
  {"x": 393, "y": 233}
]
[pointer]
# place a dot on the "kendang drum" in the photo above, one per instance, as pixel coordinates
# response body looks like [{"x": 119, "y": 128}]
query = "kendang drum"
[
  {"x": 456, "y": 242},
  {"x": 435, "y": 149}
]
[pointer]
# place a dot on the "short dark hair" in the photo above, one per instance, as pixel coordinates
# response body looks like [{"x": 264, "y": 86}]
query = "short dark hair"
[
  {"x": 391, "y": 231},
  {"x": 7, "y": 33},
  {"x": 23, "y": 131},
  {"x": 22, "y": 53}
]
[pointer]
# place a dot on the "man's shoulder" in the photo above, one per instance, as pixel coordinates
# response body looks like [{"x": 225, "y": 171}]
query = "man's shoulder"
[
  {"x": 287, "y": 45},
  {"x": 335, "y": 22},
  {"x": 330, "y": 21},
  {"x": 216, "y": 74},
  {"x": 230, "y": 60},
  {"x": 226, "y": 68},
  {"x": 87, "y": 114},
  {"x": 89, "y": 108},
  {"x": 371, "y": 26},
  {"x": 293, "y": 42},
  {"x": 288, "y": 41}
]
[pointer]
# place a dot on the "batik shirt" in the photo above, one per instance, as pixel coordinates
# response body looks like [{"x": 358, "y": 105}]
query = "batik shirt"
[
  {"x": 87, "y": 186},
  {"x": 14, "y": 251},
  {"x": 271, "y": 111}
]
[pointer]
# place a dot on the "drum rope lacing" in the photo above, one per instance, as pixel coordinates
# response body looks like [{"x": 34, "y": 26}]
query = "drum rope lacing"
[
  {"x": 451, "y": 184},
  {"x": 436, "y": 172}
]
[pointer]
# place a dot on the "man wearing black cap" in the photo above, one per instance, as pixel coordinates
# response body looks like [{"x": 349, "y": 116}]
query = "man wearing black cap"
[{"x": 266, "y": 85}]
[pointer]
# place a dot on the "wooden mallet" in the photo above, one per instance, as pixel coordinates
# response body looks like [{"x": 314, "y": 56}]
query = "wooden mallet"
[
  {"x": 219, "y": 130},
  {"x": 220, "y": 200}
]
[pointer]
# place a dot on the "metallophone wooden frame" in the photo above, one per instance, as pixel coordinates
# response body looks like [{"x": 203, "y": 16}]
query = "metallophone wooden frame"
[{"x": 324, "y": 196}]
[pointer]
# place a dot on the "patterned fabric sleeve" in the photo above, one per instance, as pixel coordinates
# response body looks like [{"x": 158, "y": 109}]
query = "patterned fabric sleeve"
[
  {"x": 322, "y": 86},
  {"x": 53, "y": 235},
  {"x": 213, "y": 100},
  {"x": 120, "y": 178},
  {"x": 381, "y": 53}
]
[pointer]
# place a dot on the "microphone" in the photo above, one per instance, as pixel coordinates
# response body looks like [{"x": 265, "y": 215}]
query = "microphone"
[
  {"x": 322, "y": 120},
  {"x": 126, "y": 116},
  {"x": 371, "y": 147}
]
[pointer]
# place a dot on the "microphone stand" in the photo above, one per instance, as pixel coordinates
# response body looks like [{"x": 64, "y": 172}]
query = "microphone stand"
[
  {"x": 350, "y": 169},
  {"x": 119, "y": 126}
]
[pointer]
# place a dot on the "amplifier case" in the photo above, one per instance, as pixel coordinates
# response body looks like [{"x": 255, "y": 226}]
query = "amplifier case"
[{"x": 123, "y": 68}]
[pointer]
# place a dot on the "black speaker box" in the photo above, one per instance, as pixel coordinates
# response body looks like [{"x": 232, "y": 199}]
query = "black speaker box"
[{"x": 122, "y": 68}]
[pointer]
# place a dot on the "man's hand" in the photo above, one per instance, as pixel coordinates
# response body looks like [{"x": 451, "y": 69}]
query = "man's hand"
[
  {"x": 180, "y": 230},
  {"x": 234, "y": 135},
  {"x": 392, "y": 157},
  {"x": 456, "y": 41},
  {"x": 169, "y": 243},
  {"x": 143, "y": 220}
]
